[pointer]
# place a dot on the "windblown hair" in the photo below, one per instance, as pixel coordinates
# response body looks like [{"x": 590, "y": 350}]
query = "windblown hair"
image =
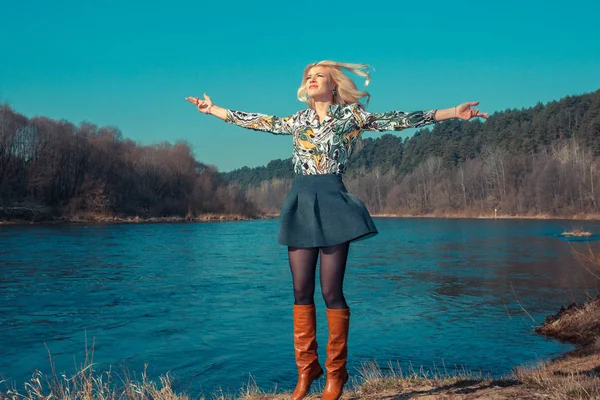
[{"x": 347, "y": 92}]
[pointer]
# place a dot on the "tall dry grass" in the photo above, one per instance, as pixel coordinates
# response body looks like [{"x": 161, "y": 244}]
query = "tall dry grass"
[
  {"x": 89, "y": 384},
  {"x": 373, "y": 379},
  {"x": 86, "y": 383},
  {"x": 560, "y": 383}
]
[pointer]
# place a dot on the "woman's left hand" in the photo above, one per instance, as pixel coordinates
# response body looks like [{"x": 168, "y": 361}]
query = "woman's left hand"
[{"x": 464, "y": 111}]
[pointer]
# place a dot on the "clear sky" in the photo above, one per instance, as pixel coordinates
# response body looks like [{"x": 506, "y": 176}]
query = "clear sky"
[{"x": 131, "y": 63}]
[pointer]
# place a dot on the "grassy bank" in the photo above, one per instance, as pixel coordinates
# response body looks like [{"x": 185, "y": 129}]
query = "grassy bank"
[
  {"x": 459, "y": 215},
  {"x": 90, "y": 218},
  {"x": 472, "y": 215},
  {"x": 575, "y": 375}
]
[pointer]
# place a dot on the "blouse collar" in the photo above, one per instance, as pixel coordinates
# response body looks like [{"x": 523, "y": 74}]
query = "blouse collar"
[{"x": 331, "y": 110}]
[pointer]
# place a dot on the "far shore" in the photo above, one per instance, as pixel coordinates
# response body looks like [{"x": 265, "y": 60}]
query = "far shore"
[
  {"x": 576, "y": 217},
  {"x": 216, "y": 217},
  {"x": 582, "y": 216},
  {"x": 107, "y": 219}
]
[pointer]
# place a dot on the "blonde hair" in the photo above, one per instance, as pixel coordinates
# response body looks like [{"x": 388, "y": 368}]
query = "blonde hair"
[{"x": 347, "y": 92}]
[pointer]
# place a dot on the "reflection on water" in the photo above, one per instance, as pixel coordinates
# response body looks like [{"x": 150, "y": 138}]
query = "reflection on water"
[{"x": 211, "y": 302}]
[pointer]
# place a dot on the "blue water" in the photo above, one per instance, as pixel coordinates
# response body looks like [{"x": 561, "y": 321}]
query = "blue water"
[{"x": 211, "y": 303}]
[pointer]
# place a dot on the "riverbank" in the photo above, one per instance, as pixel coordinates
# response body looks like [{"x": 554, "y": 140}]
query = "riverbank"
[
  {"x": 574, "y": 217},
  {"x": 212, "y": 217},
  {"x": 575, "y": 375},
  {"x": 110, "y": 219}
]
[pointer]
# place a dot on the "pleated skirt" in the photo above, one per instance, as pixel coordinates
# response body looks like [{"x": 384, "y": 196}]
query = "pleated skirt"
[{"x": 318, "y": 212}]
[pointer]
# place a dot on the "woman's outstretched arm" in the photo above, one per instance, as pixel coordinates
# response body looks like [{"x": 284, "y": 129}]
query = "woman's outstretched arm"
[
  {"x": 255, "y": 121},
  {"x": 399, "y": 120}
]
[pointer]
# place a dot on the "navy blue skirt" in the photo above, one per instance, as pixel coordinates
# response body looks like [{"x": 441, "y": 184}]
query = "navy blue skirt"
[{"x": 318, "y": 212}]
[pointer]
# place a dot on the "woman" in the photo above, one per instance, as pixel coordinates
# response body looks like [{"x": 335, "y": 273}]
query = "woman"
[{"x": 319, "y": 216}]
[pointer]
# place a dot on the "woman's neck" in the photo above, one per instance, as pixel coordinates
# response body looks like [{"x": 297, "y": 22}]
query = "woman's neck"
[{"x": 321, "y": 108}]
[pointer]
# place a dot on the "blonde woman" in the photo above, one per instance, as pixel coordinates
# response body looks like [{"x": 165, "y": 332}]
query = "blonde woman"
[{"x": 319, "y": 216}]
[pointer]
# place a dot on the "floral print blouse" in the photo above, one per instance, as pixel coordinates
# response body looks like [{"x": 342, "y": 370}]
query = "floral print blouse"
[{"x": 324, "y": 147}]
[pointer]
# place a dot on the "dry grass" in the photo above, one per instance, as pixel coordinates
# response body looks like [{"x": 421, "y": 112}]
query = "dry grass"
[
  {"x": 490, "y": 215},
  {"x": 97, "y": 218},
  {"x": 90, "y": 385},
  {"x": 578, "y": 323},
  {"x": 250, "y": 391},
  {"x": 372, "y": 379},
  {"x": 577, "y": 232},
  {"x": 560, "y": 380},
  {"x": 86, "y": 384},
  {"x": 571, "y": 378},
  {"x": 87, "y": 217}
]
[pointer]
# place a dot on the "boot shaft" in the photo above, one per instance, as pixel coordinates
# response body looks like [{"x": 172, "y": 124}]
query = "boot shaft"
[
  {"x": 305, "y": 338},
  {"x": 337, "y": 353},
  {"x": 305, "y": 345},
  {"x": 338, "y": 322}
]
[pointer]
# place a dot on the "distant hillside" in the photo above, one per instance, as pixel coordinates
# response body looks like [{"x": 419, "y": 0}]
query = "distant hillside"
[{"x": 539, "y": 161}]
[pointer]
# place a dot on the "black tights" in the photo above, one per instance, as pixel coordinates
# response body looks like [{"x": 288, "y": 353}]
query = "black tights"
[{"x": 303, "y": 263}]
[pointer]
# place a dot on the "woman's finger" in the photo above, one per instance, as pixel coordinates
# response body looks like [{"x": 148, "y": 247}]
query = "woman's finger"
[{"x": 193, "y": 100}]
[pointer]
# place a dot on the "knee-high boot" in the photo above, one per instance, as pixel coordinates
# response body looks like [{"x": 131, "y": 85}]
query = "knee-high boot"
[
  {"x": 305, "y": 345},
  {"x": 337, "y": 353}
]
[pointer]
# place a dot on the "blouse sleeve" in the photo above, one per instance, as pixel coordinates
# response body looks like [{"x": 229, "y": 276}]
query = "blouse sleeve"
[
  {"x": 261, "y": 122},
  {"x": 393, "y": 120}
]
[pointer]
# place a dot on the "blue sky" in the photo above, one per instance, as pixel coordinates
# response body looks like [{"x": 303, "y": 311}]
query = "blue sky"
[{"x": 131, "y": 64}]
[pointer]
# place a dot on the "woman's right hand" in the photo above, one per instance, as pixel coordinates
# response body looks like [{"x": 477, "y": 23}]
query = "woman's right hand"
[{"x": 204, "y": 106}]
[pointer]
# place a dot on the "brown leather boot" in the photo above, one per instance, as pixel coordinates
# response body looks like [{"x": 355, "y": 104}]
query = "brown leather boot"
[
  {"x": 305, "y": 344},
  {"x": 337, "y": 353}
]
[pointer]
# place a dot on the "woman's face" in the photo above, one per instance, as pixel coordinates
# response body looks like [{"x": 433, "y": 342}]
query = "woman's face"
[{"x": 319, "y": 86}]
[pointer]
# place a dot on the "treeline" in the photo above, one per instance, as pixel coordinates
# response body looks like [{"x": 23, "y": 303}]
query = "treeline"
[
  {"x": 562, "y": 180},
  {"x": 52, "y": 169},
  {"x": 540, "y": 160}
]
